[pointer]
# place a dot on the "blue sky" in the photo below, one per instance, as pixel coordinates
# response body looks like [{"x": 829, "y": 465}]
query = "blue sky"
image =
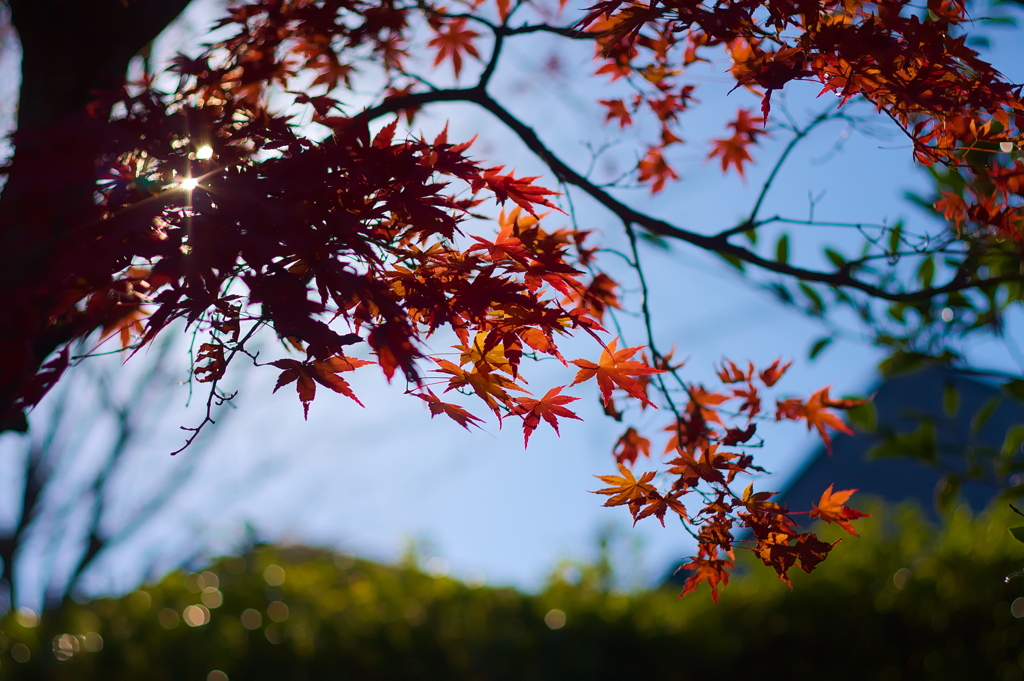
[{"x": 371, "y": 481}]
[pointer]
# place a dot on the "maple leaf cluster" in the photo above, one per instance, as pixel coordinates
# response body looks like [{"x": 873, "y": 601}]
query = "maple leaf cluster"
[
  {"x": 239, "y": 200},
  {"x": 703, "y": 458},
  {"x": 917, "y": 71},
  {"x": 350, "y": 240}
]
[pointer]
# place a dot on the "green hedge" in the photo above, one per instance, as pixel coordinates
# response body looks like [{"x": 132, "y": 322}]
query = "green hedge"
[{"x": 901, "y": 602}]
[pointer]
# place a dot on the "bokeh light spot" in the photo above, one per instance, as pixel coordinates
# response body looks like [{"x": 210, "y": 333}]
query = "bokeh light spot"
[{"x": 555, "y": 619}]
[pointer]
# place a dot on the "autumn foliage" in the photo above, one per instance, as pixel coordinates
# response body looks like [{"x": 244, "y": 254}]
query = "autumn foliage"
[{"x": 222, "y": 206}]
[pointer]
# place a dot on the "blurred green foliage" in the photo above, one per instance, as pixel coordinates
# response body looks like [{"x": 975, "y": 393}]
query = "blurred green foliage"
[{"x": 904, "y": 601}]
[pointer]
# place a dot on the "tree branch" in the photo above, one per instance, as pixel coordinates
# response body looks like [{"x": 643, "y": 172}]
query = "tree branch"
[{"x": 715, "y": 244}]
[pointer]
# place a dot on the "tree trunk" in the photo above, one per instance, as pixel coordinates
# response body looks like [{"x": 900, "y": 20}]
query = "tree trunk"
[{"x": 73, "y": 51}]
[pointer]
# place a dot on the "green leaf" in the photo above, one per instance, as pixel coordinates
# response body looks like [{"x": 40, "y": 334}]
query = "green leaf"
[
  {"x": 817, "y": 304},
  {"x": 926, "y": 272},
  {"x": 1003, "y": 21},
  {"x": 782, "y": 249},
  {"x": 838, "y": 260},
  {"x": 818, "y": 346},
  {"x": 1018, "y": 534},
  {"x": 902, "y": 363},
  {"x": 894, "y": 238},
  {"x": 732, "y": 260},
  {"x": 950, "y": 399},
  {"x": 1015, "y": 389},
  {"x": 864, "y": 417},
  {"x": 919, "y": 201},
  {"x": 657, "y": 241},
  {"x": 781, "y": 292},
  {"x": 920, "y": 444},
  {"x": 751, "y": 235},
  {"x": 984, "y": 414},
  {"x": 896, "y": 311},
  {"x": 1012, "y": 442},
  {"x": 947, "y": 492}
]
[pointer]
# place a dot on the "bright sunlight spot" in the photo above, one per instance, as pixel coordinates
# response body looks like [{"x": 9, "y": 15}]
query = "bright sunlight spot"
[
  {"x": 189, "y": 183},
  {"x": 204, "y": 152}
]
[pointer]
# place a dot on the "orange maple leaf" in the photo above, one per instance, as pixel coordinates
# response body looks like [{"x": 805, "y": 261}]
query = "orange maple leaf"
[
  {"x": 831, "y": 509},
  {"x": 776, "y": 550},
  {"x": 704, "y": 400},
  {"x": 541, "y": 342},
  {"x": 505, "y": 244},
  {"x": 953, "y": 208},
  {"x": 128, "y": 326},
  {"x": 548, "y": 407},
  {"x": 616, "y": 369},
  {"x": 627, "y": 489},
  {"x": 489, "y": 386},
  {"x": 394, "y": 349},
  {"x": 453, "y": 411},
  {"x": 504, "y": 9},
  {"x": 816, "y": 412},
  {"x": 713, "y": 571}
]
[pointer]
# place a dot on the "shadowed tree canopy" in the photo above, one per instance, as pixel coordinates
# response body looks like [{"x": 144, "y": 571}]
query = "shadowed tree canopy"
[
  {"x": 263, "y": 182},
  {"x": 924, "y": 603}
]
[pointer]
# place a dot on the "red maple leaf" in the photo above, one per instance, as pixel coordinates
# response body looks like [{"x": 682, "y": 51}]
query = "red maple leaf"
[
  {"x": 773, "y": 373},
  {"x": 658, "y": 506},
  {"x": 307, "y": 374},
  {"x": 213, "y": 370},
  {"x": 630, "y": 446},
  {"x": 654, "y": 167},
  {"x": 548, "y": 407},
  {"x": 730, "y": 373},
  {"x": 452, "y": 40},
  {"x": 734, "y": 150},
  {"x": 521, "y": 190},
  {"x": 616, "y": 112}
]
